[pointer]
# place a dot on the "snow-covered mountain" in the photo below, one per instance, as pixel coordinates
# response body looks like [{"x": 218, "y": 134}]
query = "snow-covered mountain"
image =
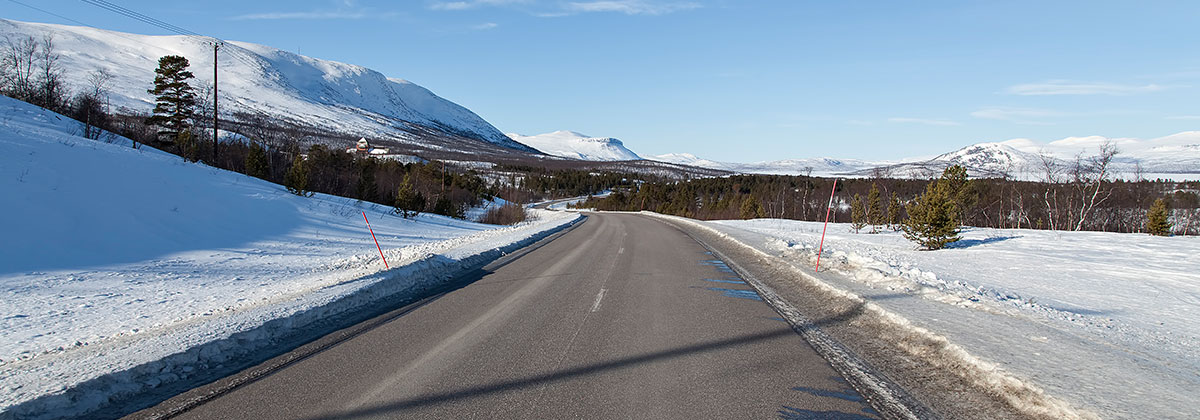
[
  {"x": 815, "y": 166},
  {"x": 573, "y": 145},
  {"x": 1175, "y": 156},
  {"x": 257, "y": 79}
]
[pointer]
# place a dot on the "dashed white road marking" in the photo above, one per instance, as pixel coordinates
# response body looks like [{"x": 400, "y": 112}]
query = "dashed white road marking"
[{"x": 599, "y": 297}]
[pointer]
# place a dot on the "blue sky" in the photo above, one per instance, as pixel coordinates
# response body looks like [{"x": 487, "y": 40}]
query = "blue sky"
[{"x": 747, "y": 80}]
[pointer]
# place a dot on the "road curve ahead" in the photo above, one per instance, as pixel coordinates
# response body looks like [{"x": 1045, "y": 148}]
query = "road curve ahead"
[{"x": 624, "y": 316}]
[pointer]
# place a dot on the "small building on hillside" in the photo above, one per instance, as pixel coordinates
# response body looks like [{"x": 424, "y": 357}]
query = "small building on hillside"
[{"x": 363, "y": 148}]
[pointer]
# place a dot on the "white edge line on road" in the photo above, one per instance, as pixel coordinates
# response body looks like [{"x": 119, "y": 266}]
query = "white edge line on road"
[{"x": 599, "y": 297}]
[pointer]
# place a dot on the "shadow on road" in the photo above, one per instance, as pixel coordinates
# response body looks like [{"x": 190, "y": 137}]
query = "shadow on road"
[
  {"x": 537, "y": 380},
  {"x": 399, "y": 407}
]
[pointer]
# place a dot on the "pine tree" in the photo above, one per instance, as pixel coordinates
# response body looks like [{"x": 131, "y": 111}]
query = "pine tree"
[
  {"x": 296, "y": 178},
  {"x": 1156, "y": 219},
  {"x": 366, "y": 189},
  {"x": 750, "y": 208},
  {"x": 933, "y": 217},
  {"x": 257, "y": 164},
  {"x": 445, "y": 207},
  {"x": 409, "y": 202},
  {"x": 175, "y": 100},
  {"x": 188, "y": 146},
  {"x": 894, "y": 207},
  {"x": 874, "y": 213},
  {"x": 858, "y": 217},
  {"x": 959, "y": 189}
]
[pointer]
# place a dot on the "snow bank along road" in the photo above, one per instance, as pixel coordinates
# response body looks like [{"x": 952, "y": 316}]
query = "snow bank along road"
[
  {"x": 178, "y": 273},
  {"x": 1108, "y": 322},
  {"x": 624, "y": 316}
]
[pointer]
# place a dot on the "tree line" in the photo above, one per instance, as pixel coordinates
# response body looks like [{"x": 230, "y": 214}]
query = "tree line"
[
  {"x": 1119, "y": 205},
  {"x": 30, "y": 70}
]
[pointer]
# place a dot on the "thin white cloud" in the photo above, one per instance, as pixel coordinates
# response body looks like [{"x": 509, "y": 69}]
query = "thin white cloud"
[
  {"x": 924, "y": 121},
  {"x": 1027, "y": 116},
  {"x": 630, "y": 7},
  {"x": 1184, "y": 117},
  {"x": 1069, "y": 87},
  {"x": 485, "y": 26},
  {"x": 466, "y": 5},
  {"x": 451, "y": 5}
]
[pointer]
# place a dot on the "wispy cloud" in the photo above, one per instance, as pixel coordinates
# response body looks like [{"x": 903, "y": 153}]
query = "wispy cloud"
[
  {"x": 1184, "y": 117},
  {"x": 471, "y": 4},
  {"x": 630, "y": 7},
  {"x": 485, "y": 26},
  {"x": 1027, "y": 116},
  {"x": 1069, "y": 87},
  {"x": 451, "y": 5},
  {"x": 924, "y": 121}
]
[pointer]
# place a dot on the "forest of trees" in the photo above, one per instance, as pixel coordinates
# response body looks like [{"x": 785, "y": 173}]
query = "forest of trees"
[{"x": 987, "y": 202}]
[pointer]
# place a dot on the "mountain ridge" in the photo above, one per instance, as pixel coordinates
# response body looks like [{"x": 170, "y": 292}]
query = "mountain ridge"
[
  {"x": 575, "y": 145},
  {"x": 260, "y": 79}
]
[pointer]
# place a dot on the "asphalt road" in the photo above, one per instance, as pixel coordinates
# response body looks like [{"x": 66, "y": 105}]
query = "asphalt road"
[{"x": 622, "y": 317}]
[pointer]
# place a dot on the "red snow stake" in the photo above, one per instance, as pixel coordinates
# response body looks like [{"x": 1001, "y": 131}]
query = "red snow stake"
[
  {"x": 385, "y": 264},
  {"x": 827, "y": 210}
]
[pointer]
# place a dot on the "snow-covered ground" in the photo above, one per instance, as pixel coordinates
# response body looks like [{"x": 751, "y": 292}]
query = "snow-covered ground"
[
  {"x": 127, "y": 260},
  {"x": 1109, "y": 322}
]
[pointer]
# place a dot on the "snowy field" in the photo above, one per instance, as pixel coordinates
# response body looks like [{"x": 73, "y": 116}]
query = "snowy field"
[
  {"x": 1109, "y": 322},
  {"x": 134, "y": 261}
]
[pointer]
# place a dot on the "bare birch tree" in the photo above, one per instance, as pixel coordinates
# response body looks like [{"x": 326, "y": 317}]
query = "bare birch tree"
[
  {"x": 1089, "y": 175},
  {"x": 1050, "y": 171}
]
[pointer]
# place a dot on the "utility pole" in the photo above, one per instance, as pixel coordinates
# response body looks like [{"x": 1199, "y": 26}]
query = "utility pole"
[{"x": 216, "y": 44}]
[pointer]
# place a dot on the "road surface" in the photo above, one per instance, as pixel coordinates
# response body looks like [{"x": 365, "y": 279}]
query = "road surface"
[{"x": 624, "y": 316}]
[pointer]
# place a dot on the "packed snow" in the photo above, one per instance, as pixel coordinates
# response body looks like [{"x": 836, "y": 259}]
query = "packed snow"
[
  {"x": 572, "y": 145},
  {"x": 258, "y": 79},
  {"x": 134, "y": 261},
  {"x": 1107, "y": 321}
]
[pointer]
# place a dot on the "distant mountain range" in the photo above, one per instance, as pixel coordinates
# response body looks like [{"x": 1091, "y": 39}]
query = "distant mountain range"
[
  {"x": 1174, "y": 157},
  {"x": 258, "y": 79}
]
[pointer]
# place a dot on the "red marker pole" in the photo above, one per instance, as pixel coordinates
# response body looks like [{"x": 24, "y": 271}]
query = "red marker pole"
[
  {"x": 385, "y": 264},
  {"x": 828, "y": 209}
]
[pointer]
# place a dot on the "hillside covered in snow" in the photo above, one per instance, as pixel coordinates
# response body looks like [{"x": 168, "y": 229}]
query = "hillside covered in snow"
[
  {"x": 572, "y": 145},
  {"x": 261, "y": 80},
  {"x": 123, "y": 270}
]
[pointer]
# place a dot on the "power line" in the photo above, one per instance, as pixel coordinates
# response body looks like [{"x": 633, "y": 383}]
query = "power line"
[
  {"x": 141, "y": 17},
  {"x": 85, "y": 24}
]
